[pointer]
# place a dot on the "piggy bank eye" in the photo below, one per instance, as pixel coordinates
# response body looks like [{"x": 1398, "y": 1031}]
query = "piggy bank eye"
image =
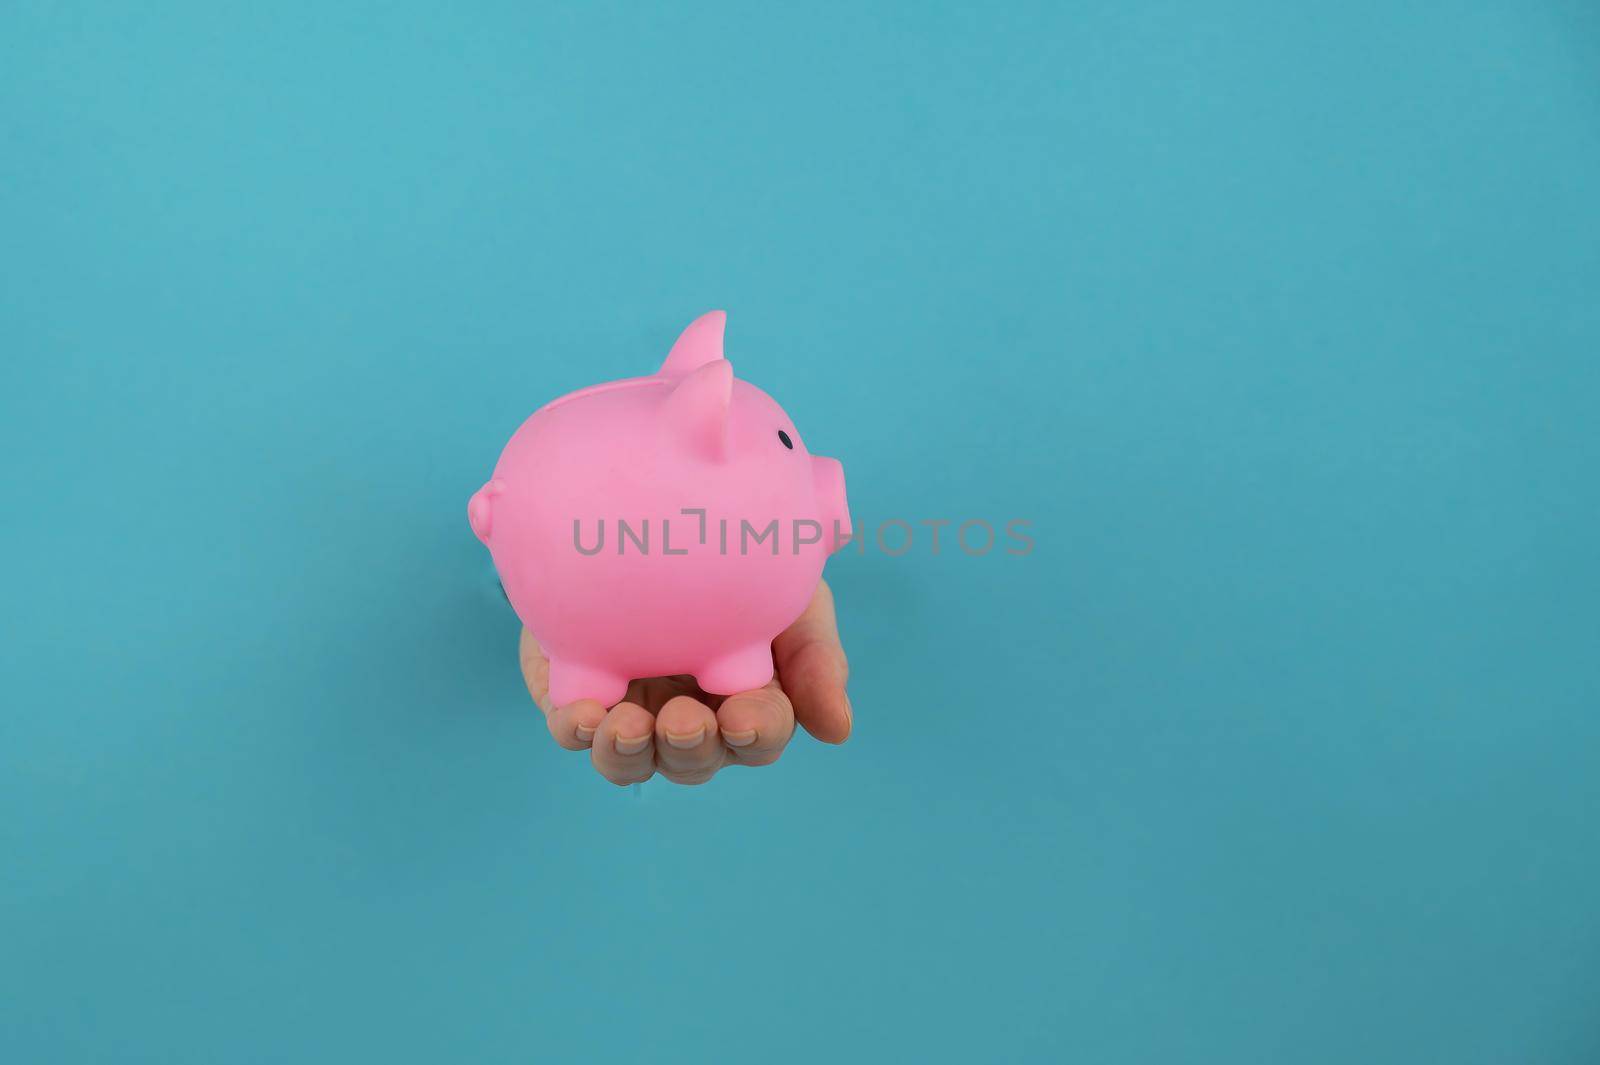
[{"x": 785, "y": 438}]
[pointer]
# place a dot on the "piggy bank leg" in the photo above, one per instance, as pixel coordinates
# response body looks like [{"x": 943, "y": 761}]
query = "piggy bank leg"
[
  {"x": 742, "y": 671},
  {"x": 571, "y": 681}
]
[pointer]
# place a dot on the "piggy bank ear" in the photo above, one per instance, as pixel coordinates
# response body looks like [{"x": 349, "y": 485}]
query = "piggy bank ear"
[
  {"x": 696, "y": 411},
  {"x": 697, "y": 345}
]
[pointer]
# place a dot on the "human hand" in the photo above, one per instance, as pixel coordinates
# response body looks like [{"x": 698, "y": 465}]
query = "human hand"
[{"x": 668, "y": 725}]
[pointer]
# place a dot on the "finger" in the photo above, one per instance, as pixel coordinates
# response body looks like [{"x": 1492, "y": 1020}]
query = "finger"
[
  {"x": 575, "y": 724},
  {"x": 688, "y": 747},
  {"x": 756, "y": 726},
  {"x": 624, "y": 745},
  {"x": 535, "y": 670},
  {"x": 812, "y": 667}
]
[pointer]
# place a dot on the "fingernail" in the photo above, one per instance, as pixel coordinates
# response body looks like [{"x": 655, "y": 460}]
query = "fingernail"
[
  {"x": 633, "y": 746},
  {"x": 740, "y": 739},
  {"x": 685, "y": 740},
  {"x": 585, "y": 734}
]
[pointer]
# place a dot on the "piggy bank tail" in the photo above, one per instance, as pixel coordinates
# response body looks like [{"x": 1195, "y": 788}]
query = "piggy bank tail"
[{"x": 480, "y": 510}]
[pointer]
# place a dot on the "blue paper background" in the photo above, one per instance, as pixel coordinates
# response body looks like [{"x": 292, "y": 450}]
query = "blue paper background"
[{"x": 1279, "y": 322}]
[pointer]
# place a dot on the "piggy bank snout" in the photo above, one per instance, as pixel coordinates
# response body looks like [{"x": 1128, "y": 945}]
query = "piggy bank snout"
[{"x": 828, "y": 475}]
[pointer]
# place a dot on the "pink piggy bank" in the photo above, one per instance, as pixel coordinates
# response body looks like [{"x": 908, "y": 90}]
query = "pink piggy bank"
[{"x": 661, "y": 525}]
